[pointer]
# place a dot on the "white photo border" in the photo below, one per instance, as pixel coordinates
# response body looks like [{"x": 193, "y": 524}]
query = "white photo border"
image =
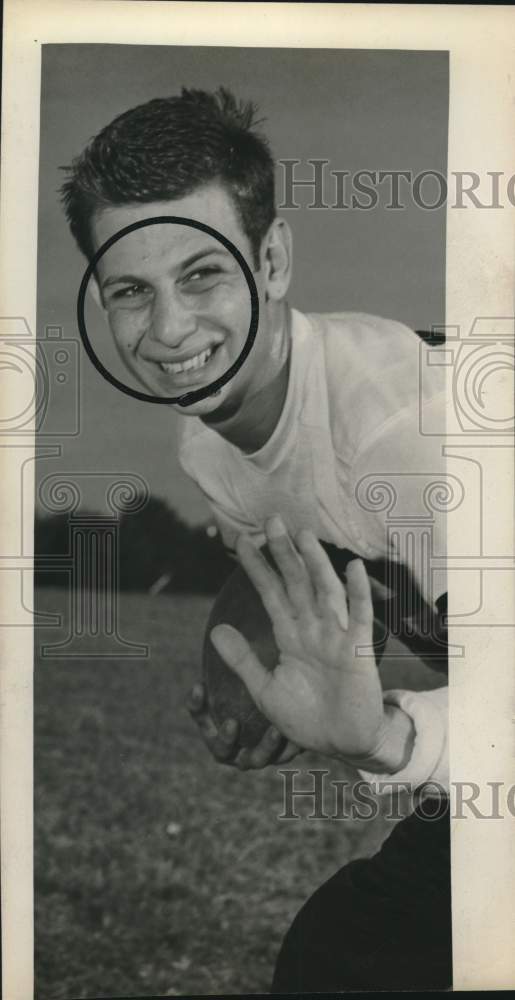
[{"x": 480, "y": 282}]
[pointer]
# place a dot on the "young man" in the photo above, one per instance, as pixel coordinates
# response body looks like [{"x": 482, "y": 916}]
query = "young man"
[{"x": 318, "y": 422}]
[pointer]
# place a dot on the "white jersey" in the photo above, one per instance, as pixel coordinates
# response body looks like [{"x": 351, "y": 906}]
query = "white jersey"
[{"x": 347, "y": 457}]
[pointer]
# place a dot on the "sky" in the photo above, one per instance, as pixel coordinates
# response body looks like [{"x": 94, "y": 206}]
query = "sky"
[{"x": 359, "y": 109}]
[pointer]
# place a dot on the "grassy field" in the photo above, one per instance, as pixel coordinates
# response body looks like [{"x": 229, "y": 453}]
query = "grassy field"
[{"x": 158, "y": 871}]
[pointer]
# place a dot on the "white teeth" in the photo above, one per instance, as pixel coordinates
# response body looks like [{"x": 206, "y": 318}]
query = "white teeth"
[{"x": 175, "y": 368}]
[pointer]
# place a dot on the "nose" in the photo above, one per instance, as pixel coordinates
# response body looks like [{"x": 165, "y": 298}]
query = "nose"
[{"x": 172, "y": 321}]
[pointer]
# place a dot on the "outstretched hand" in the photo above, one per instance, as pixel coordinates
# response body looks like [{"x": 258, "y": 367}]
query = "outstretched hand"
[{"x": 322, "y": 695}]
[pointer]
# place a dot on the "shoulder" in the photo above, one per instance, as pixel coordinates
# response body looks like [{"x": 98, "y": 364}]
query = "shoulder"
[
  {"x": 378, "y": 375},
  {"x": 363, "y": 346}
]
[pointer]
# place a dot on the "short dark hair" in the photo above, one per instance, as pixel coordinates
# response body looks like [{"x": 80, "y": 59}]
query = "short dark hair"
[{"x": 165, "y": 149}]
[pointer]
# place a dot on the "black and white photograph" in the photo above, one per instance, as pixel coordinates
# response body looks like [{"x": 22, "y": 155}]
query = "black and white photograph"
[{"x": 260, "y": 548}]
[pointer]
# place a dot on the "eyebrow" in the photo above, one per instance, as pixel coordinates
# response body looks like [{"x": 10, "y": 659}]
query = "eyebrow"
[{"x": 131, "y": 279}]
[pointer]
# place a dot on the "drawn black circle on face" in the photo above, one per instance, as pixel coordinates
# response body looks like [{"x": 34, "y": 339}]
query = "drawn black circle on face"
[{"x": 188, "y": 398}]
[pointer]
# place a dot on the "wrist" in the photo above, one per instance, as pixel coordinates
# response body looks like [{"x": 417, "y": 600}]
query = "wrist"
[{"x": 393, "y": 745}]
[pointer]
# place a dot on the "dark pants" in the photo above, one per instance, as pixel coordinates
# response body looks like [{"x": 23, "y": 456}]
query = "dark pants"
[{"x": 381, "y": 923}]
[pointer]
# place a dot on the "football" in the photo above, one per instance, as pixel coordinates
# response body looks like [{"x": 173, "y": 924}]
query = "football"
[{"x": 238, "y": 604}]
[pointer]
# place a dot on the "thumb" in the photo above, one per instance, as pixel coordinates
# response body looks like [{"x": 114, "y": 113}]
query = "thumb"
[{"x": 238, "y": 655}]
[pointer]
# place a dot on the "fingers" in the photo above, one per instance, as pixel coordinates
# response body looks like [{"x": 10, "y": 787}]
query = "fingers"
[
  {"x": 380, "y": 592},
  {"x": 272, "y": 749},
  {"x": 361, "y": 611},
  {"x": 196, "y": 701},
  {"x": 238, "y": 655},
  {"x": 290, "y": 751},
  {"x": 265, "y": 580},
  {"x": 309, "y": 581},
  {"x": 223, "y": 742},
  {"x": 293, "y": 594},
  {"x": 291, "y": 566},
  {"x": 329, "y": 589},
  {"x": 267, "y": 751}
]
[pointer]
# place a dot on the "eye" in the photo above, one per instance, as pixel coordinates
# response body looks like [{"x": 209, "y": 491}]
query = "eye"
[
  {"x": 129, "y": 292},
  {"x": 202, "y": 279}
]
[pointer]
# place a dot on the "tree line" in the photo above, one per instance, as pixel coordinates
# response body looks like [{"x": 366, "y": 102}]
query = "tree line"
[{"x": 158, "y": 551}]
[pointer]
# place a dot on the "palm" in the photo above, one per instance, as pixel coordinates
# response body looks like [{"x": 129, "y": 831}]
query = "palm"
[{"x": 322, "y": 694}]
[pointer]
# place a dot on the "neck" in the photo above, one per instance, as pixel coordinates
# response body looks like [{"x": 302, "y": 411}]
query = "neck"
[{"x": 251, "y": 425}]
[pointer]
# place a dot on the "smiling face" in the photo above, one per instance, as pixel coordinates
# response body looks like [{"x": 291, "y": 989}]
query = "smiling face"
[{"x": 177, "y": 301}]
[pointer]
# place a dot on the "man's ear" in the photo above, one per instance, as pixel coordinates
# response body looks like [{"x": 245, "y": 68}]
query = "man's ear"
[
  {"x": 95, "y": 292},
  {"x": 276, "y": 260}
]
